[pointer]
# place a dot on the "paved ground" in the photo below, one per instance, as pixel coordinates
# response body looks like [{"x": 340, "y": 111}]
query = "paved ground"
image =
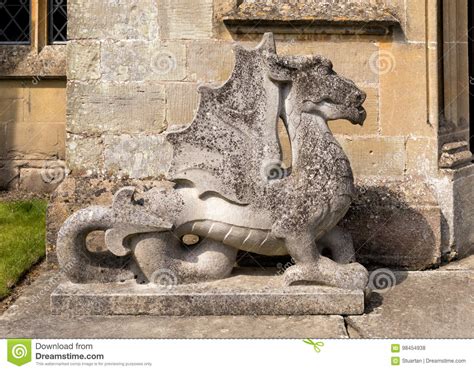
[{"x": 431, "y": 304}]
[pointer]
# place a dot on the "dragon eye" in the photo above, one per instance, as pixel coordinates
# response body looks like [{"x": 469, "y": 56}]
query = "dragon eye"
[{"x": 324, "y": 70}]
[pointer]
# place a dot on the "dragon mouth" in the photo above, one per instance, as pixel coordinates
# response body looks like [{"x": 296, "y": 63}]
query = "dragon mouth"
[{"x": 359, "y": 116}]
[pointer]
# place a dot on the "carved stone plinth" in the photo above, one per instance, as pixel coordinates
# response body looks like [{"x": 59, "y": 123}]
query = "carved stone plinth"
[{"x": 246, "y": 292}]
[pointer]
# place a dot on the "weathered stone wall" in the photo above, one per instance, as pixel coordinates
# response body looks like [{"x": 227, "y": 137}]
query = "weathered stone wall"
[
  {"x": 133, "y": 71},
  {"x": 32, "y": 139}
]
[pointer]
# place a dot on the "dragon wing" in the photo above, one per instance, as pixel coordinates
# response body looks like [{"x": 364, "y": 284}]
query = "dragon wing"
[{"x": 234, "y": 132}]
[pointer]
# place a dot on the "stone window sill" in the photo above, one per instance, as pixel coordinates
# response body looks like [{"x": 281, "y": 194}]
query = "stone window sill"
[
  {"x": 343, "y": 17},
  {"x": 25, "y": 61}
]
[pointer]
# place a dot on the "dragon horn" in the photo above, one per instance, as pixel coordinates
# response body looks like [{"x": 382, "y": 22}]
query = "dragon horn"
[{"x": 267, "y": 43}]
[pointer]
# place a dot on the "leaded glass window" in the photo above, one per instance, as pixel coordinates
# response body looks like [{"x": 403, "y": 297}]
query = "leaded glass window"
[
  {"x": 15, "y": 21},
  {"x": 57, "y": 21}
]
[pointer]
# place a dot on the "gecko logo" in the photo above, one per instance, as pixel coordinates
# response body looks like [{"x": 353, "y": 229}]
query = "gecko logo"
[{"x": 19, "y": 351}]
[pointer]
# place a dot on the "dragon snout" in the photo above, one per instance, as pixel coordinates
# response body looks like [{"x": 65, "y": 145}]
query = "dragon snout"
[{"x": 358, "y": 98}]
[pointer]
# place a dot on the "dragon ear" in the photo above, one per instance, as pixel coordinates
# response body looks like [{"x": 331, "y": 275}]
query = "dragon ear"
[{"x": 267, "y": 43}]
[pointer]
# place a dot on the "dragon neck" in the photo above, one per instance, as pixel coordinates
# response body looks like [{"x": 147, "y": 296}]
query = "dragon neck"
[{"x": 304, "y": 130}]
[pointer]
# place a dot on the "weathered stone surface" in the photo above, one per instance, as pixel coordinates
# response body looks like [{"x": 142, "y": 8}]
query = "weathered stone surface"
[
  {"x": 134, "y": 19},
  {"x": 186, "y": 19},
  {"x": 45, "y": 102},
  {"x": 247, "y": 292},
  {"x": 381, "y": 156},
  {"x": 382, "y": 210},
  {"x": 178, "y": 112},
  {"x": 84, "y": 60},
  {"x": 465, "y": 264},
  {"x": 9, "y": 176},
  {"x": 85, "y": 153},
  {"x": 143, "y": 61},
  {"x": 421, "y": 159},
  {"x": 224, "y": 189},
  {"x": 416, "y": 20},
  {"x": 39, "y": 180},
  {"x": 209, "y": 61},
  {"x": 351, "y": 59},
  {"x": 402, "y": 113},
  {"x": 115, "y": 108},
  {"x": 300, "y": 16},
  {"x": 138, "y": 156},
  {"x": 24, "y": 61},
  {"x": 30, "y": 317},
  {"x": 34, "y": 140},
  {"x": 422, "y": 305},
  {"x": 11, "y": 109}
]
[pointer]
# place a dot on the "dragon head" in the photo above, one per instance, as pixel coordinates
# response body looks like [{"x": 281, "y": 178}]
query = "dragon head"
[
  {"x": 313, "y": 86},
  {"x": 321, "y": 91}
]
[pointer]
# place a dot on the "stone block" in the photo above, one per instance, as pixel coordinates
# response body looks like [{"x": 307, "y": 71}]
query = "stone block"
[
  {"x": 422, "y": 156},
  {"x": 395, "y": 223},
  {"x": 45, "y": 101},
  {"x": 350, "y": 59},
  {"x": 416, "y": 20},
  {"x": 403, "y": 90},
  {"x": 382, "y": 156},
  {"x": 83, "y": 60},
  {"x": 247, "y": 293},
  {"x": 182, "y": 101},
  {"x": 138, "y": 156},
  {"x": 463, "y": 209},
  {"x": 85, "y": 154},
  {"x": 34, "y": 140},
  {"x": 186, "y": 19},
  {"x": 115, "y": 108},
  {"x": 9, "y": 176},
  {"x": 131, "y": 19},
  {"x": 11, "y": 89},
  {"x": 11, "y": 109},
  {"x": 210, "y": 61},
  {"x": 43, "y": 180},
  {"x": 143, "y": 61},
  {"x": 371, "y": 124},
  {"x": 421, "y": 305}
]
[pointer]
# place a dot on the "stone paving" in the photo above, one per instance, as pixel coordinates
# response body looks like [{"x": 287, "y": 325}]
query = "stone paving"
[{"x": 428, "y": 304}]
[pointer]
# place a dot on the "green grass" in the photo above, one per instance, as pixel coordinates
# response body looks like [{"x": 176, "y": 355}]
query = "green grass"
[{"x": 22, "y": 239}]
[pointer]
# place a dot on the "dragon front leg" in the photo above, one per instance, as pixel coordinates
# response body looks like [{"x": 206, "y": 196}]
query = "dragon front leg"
[{"x": 311, "y": 267}]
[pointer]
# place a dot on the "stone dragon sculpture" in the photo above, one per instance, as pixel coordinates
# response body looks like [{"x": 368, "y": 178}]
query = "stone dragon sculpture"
[{"x": 221, "y": 184}]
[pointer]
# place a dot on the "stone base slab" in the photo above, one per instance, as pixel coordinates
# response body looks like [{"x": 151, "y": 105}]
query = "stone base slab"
[{"x": 247, "y": 292}]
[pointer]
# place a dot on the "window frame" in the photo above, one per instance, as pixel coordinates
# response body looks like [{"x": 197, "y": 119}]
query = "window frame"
[
  {"x": 23, "y": 43},
  {"x": 39, "y": 57},
  {"x": 50, "y": 26}
]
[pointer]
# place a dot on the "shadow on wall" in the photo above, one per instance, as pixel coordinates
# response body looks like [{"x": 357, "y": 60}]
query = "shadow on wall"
[
  {"x": 32, "y": 135},
  {"x": 11, "y": 111},
  {"x": 389, "y": 232}
]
